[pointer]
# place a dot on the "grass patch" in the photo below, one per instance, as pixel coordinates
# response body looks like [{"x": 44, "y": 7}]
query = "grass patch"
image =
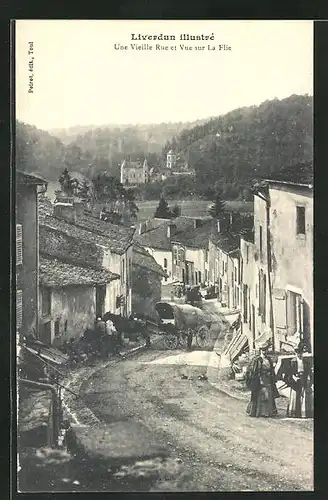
[{"x": 192, "y": 208}]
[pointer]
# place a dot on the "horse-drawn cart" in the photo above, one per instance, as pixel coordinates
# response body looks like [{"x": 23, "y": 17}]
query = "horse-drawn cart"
[{"x": 181, "y": 323}]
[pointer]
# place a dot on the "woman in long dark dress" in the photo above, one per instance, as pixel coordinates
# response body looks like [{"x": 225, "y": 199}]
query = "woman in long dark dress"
[{"x": 260, "y": 378}]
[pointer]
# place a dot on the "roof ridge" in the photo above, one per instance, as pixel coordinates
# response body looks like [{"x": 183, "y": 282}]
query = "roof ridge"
[{"x": 74, "y": 262}]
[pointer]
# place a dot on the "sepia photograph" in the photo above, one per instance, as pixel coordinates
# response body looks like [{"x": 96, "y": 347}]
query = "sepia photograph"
[{"x": 164, "y": 255}]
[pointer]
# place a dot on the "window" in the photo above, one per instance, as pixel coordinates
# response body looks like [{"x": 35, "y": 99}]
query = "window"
[
  {"x": 123, "y": 269},
  {"x": 46, "y": 301},
  {"x": 165, "y": 263},
  {"x": 19, "y": 308},
  {"x": 65, "y": 326},
  {"x": 235, "y": 274},
  {"x": 245, "y": 302},
  {"x": 262, "y": 296},
  {"x": 57, "y": 327},
  {"x": 294, "y": 313},
  {"x": 199, "y": 277},
  {"x": 300, "y": 220},
  {"x": 19, "y": 244},
  {"x": 261, "y": 242},
  {"x": 247, "y": 253},
  {"x": 129, "y": 272}
]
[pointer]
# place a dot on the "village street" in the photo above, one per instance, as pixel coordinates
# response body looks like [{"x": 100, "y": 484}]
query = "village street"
[{"x": 217, "y": 446}]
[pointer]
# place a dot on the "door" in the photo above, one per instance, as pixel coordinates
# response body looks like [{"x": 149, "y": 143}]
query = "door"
[
  {"x": 253, "y": 325},
  {"x": 100, "y": 300},
  {"x": 46, "y": 332}
]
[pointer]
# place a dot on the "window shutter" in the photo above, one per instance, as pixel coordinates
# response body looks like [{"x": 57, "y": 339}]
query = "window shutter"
[
  {"x": 280, "y": 309},
  {"x": 19, "y": 308},
  {"x": 19, "y": 244}
]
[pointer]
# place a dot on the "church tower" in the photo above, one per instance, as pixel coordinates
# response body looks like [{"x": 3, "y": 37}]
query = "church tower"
[{"x": 171, "y": 160}]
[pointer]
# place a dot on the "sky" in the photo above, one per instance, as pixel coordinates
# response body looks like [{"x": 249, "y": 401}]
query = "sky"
[{"x": 79, "y": 78}]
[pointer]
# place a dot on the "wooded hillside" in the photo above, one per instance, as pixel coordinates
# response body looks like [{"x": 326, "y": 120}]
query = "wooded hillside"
[{"x": 232, "y": 150}]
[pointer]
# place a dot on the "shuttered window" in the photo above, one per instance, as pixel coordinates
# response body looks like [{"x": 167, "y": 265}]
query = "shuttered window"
[
  {"x": 280, "y": 311},
  {"x": 19, "y": 308},
  {"x": 19, "y": 244}
]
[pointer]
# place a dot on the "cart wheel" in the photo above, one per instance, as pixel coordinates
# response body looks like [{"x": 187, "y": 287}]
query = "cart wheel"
[
  {"x": 171, "y": 341},
  {"x": 202, "y": 335}
]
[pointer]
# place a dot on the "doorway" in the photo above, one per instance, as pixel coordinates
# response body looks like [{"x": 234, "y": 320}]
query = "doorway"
[
  {"x": 253, "y": 325},
  {"x": 100, "y": 300}
]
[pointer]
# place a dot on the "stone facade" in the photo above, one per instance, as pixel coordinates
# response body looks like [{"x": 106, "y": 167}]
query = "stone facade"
[{"x": 134, "y": 172}]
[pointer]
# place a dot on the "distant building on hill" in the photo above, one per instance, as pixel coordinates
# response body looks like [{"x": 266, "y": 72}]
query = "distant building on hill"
[
  {"x": 171, "y": 160},
  {"x": 134, "y": 172}
]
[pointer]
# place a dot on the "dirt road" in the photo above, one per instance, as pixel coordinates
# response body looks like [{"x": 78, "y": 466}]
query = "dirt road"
[{"x": 218, "y": 446}]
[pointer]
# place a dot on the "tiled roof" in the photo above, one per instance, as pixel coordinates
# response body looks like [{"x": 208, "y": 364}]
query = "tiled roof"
[
  {"x": 72, "y": 230},
  {"x": 156, "y": 234},
  {"x": 142, "y": 258},
  {"x": 248, "y": 236},
  {"x": 134, "y": 164},
  {"x": 235, "y": 253},
  {"x": 195, "y": 237},
  {"x": 63, "y": 245},
  {"x": 58, "y": 273},
  {"x": 118, "y": 237},
  {"x": 29, "y": 179},
  {"x": 45, "y": 207},
  {"x": 155, "y": 238},
  {"x": 227, "y": 242}
]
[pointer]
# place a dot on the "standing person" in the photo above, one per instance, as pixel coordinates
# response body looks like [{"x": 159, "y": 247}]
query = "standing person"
[
  {"x": 112, "y": 337},
  {"x": 260, "y": 378},
  {"x": 299, "y": 378}
]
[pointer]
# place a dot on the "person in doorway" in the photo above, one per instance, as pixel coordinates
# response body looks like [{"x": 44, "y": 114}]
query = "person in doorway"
[
  {"x": 299, "y": 378},
  {"x": 260, "y": 379}
]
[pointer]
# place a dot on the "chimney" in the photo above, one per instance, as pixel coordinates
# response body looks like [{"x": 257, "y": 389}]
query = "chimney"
[
  {"x": 218, "y": 225},
  {"x": 65, "y": 211}
]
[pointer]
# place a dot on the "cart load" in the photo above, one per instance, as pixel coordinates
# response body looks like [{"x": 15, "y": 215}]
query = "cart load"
[{"x": 178, "y": 321}]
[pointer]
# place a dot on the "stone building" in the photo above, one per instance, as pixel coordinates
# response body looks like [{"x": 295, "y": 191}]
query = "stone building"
[
  {"x": 70, "y": 297},
  {"x": 155, "y": 236},
  {"x": 277, "y": 267},
  {"x": 291, "y": 241},
  {"x": 134, "y": 172},
  {"x": 146, "y": 281},
  {"x": 27, "y": 251},
  {"x": 97, "y": 247},
  {"x": 190, "y": 253}
]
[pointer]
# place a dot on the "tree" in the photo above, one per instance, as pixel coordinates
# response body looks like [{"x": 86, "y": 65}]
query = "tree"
[
  {"x": 109, "y": 191},
  {"x": 176, "y": 210},
  {"x": 218, "y": 206},
  {"x": 66, "y": 184},
  {"x": 163, "y": 210}
]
